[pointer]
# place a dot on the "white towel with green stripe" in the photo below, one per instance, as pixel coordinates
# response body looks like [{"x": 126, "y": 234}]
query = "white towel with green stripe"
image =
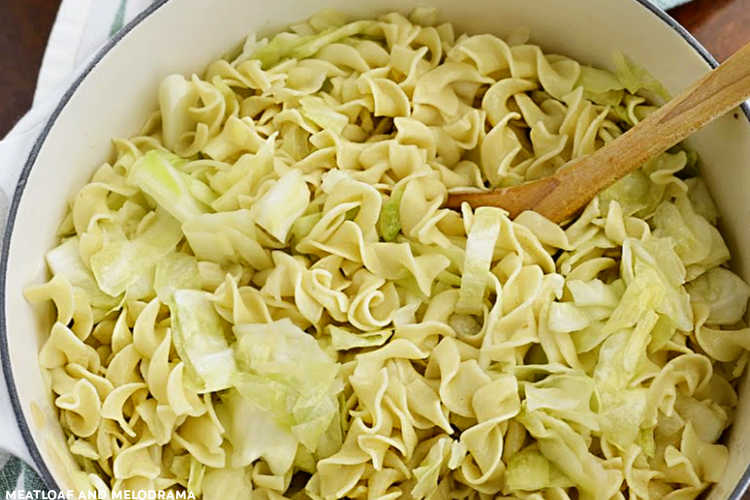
[{"x": 80, "y": 29}]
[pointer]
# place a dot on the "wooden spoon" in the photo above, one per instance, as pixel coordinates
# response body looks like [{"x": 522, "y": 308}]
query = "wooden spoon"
[{"x": 563, "y": 194}]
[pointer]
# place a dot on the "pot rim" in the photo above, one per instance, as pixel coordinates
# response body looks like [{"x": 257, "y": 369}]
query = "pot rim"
[{"x": 23, "y": 425}]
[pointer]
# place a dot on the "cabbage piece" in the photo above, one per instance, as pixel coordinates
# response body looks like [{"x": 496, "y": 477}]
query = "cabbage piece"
[
  {"x": 634, "y": 77},
  {"x": 286, "y": 45},
  {"x": 65, "y": 260},
  {"x": 529, "y": 470},
  {"x": 598, "y": 80},
  {"x": 633, "y": 192},
  {"x": 567, "y": 449},
  {"x": 565, "y": 317},
  {"x": 227, "y": 237},
  {"x": 622, "y": 359},
  {"x": 654, "y": 284},
  {"x": 176, "y": 271},
  {"x": 659, "y": 254},
  {"x": 282, "y": 204},
  {"x": 708, "y": 416},
  {"x": 226, "y": 484},
  {"x": 480, "y": 244},
  {"x": 121, "y": 263},
  {"x": 243, "y": 178},
  {"x": 254, "y": 433},
  {"x": 322, "y": 114},
  {"x": 642, "y": 295},
  {"x": 587, "y": 339},
  {"x": 389, "y": 222},
  {"x": 609, "y": 373},
  {"x": 157, "y": 175},
  {"x": 623, "y": 362},
  {"x": 199, "y": 335},
  {"x": 698, "y": 243},
  {"x": 723, "y": 292},
  {"x": 596, "y": 293},
  {"x": 564, "y": 395},
  {"x": 661, "y": 333},
  {"x": 285, "y": 372},
  {"x": 637, "y": 193},
  {"x": 464, "y": 324},
  {"x": 621, "y": 414},
  {"x": 701, "y": 200},
  {"x": 676, "y": 302},
  {"x": 600, "y": 86},
  {"x": 343, "y": 339},
  {"x": 303, "y": 225}
]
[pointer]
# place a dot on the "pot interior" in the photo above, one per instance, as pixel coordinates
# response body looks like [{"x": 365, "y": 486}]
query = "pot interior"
[{"x": 119, "y": 92}]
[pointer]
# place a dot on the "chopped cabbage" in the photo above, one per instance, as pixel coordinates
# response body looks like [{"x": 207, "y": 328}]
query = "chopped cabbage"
[
  {"x": 65, "y": 260},
  {"x": 254, "y": 434},
  {"x": 723, "y": 292},
  {"x": 655, "y": 285},
  {"x": 226, "y": 484},
  {"x": 480, "y": 245},
  {"x": 200, "y": 338},
  {"x": 119, "y": 264},
  {"x": 635, "y": 78},
  {"x": 565, "y": 317},
  {"x": 322, "y": 114},
  {"x": 389, "y": 222},
  {"x": 284, "y": 45},
  {"x": 529, "y": 470},
  {"x": 701, "y": 199},
  {"x": 156, "y": 174},
  {"x": 284, "y": 371},
  {"x": 227, "y": 237},
  {"x": 698, "y": 244},
  {"x": 282, "y": 204},
  {"x": 173, "y": 272},
  {"x": 601, "y": 86}
]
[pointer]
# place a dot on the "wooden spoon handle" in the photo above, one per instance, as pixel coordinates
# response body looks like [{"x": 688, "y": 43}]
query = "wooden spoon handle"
[{"x": 563, "y": 194}]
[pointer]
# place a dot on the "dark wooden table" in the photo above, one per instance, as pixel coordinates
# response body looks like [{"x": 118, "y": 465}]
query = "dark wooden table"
[{"x": 721, "y": 25}]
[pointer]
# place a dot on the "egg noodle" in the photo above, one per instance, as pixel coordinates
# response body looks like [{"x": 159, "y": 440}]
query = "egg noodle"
[{"x": 261, "y": 296}]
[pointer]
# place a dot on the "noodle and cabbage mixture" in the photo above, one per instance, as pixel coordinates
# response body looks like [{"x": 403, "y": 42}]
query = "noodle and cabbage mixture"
[{"x": 261, "y": 291}]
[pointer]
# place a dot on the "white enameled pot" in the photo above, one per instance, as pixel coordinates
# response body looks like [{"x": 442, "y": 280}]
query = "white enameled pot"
[{"x": 117, "y": 91}]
